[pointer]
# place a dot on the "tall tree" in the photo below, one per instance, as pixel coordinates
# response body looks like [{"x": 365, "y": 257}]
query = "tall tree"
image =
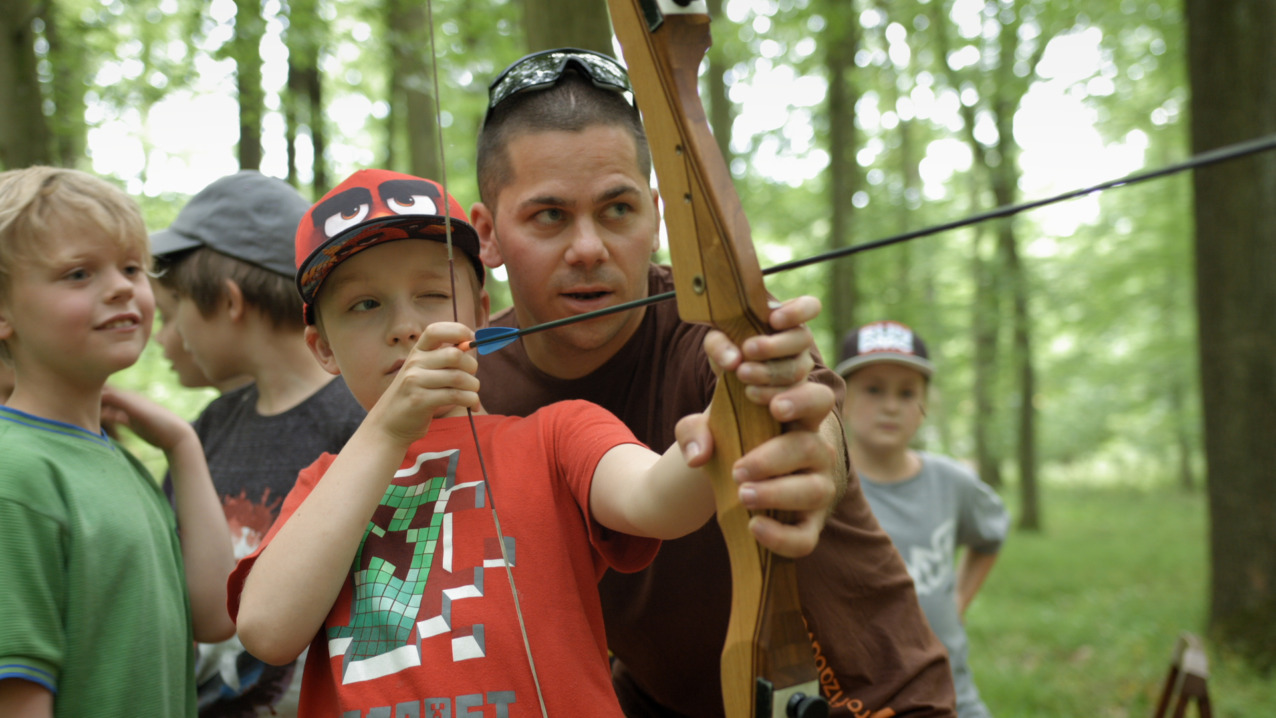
[
  {"x": 1232, "y": 69},
  {"x": 567, "y": 23},
  {"x": 24, "y": 129},
  {"x": 414, "y": 112},
  {"x": 303, "y": 102},
  {"x": 69, "y": 131},
  {"x": 1008, "y": 57},
  {"x": 841, "y": 42},
  {"x": 245, "y": 48}
]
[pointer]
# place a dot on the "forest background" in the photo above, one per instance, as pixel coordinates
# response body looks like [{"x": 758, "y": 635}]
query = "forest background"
[{"x": 1073, "y": 342}]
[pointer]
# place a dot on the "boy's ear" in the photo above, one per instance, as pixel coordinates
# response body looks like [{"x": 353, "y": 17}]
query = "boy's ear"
[
  {"x": 6, "y": 329},
  {"x": 233, "y": 301},
  {"x": 485, "y": 225},
  {"x": 321, "y": 349}
]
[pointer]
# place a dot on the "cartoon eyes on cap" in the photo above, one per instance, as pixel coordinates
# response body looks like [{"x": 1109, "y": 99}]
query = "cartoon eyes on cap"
[
  {"x": 407, "y": 203},
  {"x": 346, "y": 218}
]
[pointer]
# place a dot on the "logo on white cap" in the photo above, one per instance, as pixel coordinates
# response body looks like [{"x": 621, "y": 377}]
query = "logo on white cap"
[{"x": 886, "y": 337}]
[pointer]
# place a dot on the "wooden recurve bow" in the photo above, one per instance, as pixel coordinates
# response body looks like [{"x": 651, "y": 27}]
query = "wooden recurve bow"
[{"x": 768, "y": 665}]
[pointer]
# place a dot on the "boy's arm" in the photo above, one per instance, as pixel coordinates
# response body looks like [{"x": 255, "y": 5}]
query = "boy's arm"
[
  {"x": 20, "y": 698},
  {"x": 299, "y": 574},
  {"x": 637, "y": 492},
  {"x": 972, "y": 569},
  {"x": 206, "y": 541},
  {"x": 297, "y": 577}
]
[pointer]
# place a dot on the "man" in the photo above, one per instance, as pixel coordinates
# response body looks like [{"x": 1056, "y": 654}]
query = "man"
[{"x": 567, "y": 207}]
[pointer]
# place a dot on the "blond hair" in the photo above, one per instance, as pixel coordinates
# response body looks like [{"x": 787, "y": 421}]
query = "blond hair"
[{"x": 38, "y": 204}]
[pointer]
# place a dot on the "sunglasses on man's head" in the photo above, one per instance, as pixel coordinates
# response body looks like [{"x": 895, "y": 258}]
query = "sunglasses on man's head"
[{"x": 544, "y": 69}]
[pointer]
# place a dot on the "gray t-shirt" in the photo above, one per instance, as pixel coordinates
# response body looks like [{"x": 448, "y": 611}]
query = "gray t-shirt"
[{"x": 927, "y": 516}]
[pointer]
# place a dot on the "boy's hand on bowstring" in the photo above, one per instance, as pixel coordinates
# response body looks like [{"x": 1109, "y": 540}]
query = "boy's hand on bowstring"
[
  {"x": 153, "y": 423},
  {"x": 436, "y": 379}
]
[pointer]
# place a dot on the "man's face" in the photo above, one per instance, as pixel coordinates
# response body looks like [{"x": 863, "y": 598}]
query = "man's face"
[
  {"x": 375, "y": 305},
  {"x": 576, "y": 227}
]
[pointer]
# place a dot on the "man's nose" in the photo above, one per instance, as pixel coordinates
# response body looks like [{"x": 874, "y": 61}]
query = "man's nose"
[{"x": 587, "y": 247}]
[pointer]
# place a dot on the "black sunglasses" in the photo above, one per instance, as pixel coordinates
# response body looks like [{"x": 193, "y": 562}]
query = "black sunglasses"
[{"x": 544, "y": 69}]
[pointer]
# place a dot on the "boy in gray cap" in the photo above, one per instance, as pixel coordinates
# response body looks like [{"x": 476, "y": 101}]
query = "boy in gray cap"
[
  {"x": 228, "y": 258},
  {"x": 929, "y": 504}
]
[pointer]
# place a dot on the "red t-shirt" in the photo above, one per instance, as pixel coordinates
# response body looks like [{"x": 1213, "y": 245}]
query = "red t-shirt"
[{"x": 425, "y": 624}]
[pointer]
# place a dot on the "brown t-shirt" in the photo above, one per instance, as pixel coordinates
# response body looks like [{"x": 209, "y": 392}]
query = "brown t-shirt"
[{"x": 666, "y": 624}]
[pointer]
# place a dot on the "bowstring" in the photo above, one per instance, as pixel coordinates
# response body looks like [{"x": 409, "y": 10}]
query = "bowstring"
[{"x": 451, "y": 263}]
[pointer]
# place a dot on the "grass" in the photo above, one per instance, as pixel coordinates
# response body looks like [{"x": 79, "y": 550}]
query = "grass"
[{"x": 1080, "y": 619}]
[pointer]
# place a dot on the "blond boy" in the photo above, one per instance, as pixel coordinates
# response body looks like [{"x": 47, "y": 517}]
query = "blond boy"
[
  {"x": 99, "y": 614},
  {"x": 387, "y": 559}
]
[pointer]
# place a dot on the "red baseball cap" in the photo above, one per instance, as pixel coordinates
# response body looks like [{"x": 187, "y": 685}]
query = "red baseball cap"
[{"x": 371, "y": 207}]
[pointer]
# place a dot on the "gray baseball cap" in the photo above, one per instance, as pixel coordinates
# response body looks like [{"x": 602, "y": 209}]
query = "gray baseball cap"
[
  {"x": 247, "y": 216},
  {"x": 887, "y": 341}
]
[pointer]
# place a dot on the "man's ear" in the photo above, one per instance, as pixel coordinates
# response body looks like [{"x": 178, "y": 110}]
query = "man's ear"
[
  {"x": 655, "y": 203},
  {"x": 233, "y": 301},
  {"x": 485, "y": 225},
  {"x": 321, "y": 349}
]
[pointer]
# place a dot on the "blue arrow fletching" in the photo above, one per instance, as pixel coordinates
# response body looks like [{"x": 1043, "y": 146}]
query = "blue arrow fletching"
[{"x": 490, "y": 339}]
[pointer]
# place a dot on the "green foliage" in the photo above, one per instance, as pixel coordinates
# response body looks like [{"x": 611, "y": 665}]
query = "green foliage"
[{"x": 1081, "y": 620}]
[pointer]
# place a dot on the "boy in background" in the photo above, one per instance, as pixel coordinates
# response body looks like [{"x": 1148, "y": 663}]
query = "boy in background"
[
  {"x": 227, "y": 258},
  {"x": 99, "y": 613},
  {"x": 388, "y": 559},
  {"x": 180, "y": 361},
  {"x": 929, "y": 504}
]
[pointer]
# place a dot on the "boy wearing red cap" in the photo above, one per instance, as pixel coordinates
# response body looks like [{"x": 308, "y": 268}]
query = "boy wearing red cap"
[
  {"x": 390, "y": 560},
  {"x": 929, "y": 504}
]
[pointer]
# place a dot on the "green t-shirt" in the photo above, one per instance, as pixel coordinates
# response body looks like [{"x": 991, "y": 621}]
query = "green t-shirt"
[{"x": 91, "y": 581}]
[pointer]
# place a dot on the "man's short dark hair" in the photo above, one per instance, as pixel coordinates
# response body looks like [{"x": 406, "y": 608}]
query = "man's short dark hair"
[
  {"x": 574, "y": 104},
  {"x": 201, "y": 273}
]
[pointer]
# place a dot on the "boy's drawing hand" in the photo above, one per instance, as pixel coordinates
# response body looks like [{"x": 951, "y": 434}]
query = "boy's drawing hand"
[
  {"x": 436, "y": 378},
  {"x": 153, "y": 423},
  {"x": 791, "y": 472}
]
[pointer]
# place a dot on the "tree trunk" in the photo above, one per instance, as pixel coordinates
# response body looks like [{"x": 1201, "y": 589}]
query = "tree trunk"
[
  {"x": 69, "y": 131},
  {"x": 985, "y": 321},
  {"x": 1232, "y": 70},
  {"x": 415, "y": 120},
  {"x": 567, "y": 23},
  {"x": 1005, "y": 183},
  {"x": 250, "y": 27},
  {"x": 720, "y": 111},
  {"x": 1182, "y": 440},
  {"x": 24, "y": 130},
  {"x": 303, "y": 105},
  {"x": 842, "y": 35}
]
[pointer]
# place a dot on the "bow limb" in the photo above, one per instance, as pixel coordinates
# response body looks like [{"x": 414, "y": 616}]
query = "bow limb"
[{"x": 768, "y": 667}]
